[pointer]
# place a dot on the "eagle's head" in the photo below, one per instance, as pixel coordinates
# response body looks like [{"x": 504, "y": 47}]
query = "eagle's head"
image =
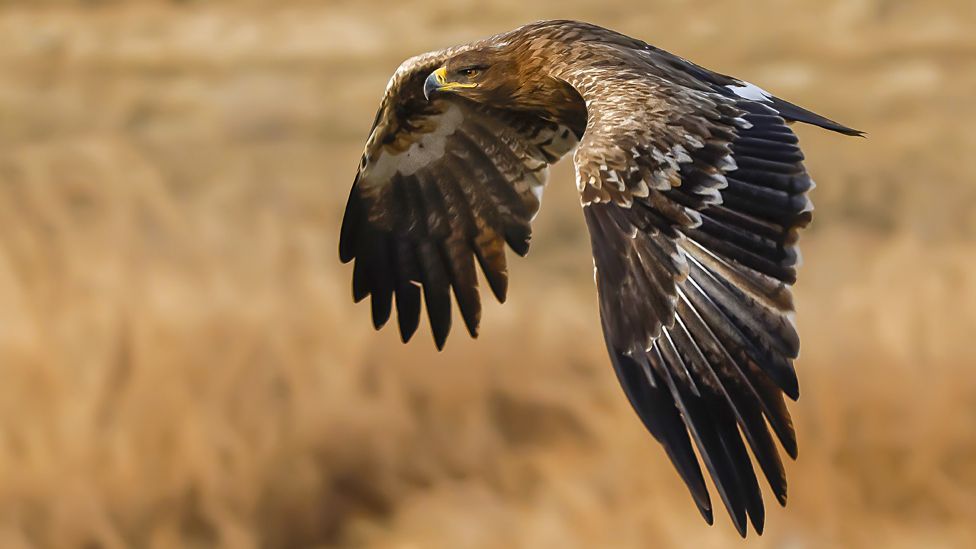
[
  {"x": 512, "y": 77},
  {"x": 486, "y": 75}
]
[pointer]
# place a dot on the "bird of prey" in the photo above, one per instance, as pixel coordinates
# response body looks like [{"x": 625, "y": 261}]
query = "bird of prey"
[{"x": 693, "y": 189}]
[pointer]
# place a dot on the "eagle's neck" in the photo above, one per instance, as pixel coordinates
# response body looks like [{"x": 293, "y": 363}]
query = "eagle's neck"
[
  {"x": 548, "y": 98},
  {"x": 535, "y": 85}
]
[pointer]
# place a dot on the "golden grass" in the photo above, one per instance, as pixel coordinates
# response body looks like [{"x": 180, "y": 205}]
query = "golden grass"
[{"x": 182, "y": 367}]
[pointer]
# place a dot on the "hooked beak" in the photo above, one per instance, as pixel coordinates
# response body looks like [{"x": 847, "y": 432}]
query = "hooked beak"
[{"x": 437, "y": 82}]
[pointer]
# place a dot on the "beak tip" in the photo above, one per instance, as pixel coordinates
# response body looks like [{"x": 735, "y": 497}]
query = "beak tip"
[{"x": 430, "y": 86}]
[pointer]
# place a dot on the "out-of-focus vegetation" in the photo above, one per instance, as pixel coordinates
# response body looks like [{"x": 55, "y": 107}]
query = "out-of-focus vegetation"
[{"x": 181, "y": 364}]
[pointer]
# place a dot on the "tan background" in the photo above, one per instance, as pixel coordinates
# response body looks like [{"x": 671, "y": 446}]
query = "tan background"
[{"x": 181, "y": 365}]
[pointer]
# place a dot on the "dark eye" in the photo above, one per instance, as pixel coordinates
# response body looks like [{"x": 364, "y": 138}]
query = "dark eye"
[{"x": 470, "y": 72}]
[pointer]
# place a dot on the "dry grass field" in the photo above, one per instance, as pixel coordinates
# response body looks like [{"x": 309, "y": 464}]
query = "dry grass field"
[{"x": 181, "y": 364}]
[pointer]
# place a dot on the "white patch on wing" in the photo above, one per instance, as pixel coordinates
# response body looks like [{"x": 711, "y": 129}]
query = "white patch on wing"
[
  {"x": 681, "y": 154},
  {"x": 613, "y": 177},
  {"x": 537, "y": 190},
  {"x": 428, "y": 148},
  {"x": 807, "y": 204},
  {"x": 727, "y": 164},
  {"x": 641, "y": 191},
  {"x": 751, "y": 91},
  {"x": 562, "y": 141},
  {"x": 742, "y": 123},
  {"x": 798, "y": 262}
]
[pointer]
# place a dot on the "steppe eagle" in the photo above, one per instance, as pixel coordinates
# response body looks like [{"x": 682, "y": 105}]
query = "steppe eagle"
[{"x": 693, "y": 189}]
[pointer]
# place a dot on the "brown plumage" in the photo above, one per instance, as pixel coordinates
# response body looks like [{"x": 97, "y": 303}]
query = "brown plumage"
[{"x": 693, "y": 189}]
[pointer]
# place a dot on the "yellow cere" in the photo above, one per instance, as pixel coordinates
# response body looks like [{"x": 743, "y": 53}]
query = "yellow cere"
[{"x": 443, "y": 85}]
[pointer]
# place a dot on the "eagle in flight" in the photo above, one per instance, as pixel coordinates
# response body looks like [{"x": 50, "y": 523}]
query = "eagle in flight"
[{"x": 693, "y": 189}]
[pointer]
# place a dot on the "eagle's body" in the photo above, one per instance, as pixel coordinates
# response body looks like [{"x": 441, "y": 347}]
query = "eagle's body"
[{"x": 693, "y": 190}]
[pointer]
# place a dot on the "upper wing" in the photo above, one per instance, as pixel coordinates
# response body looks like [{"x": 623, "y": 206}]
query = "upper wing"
[
  {"x": 694, "y": 199},
  {"x": 442, "y": 183},
  {"x": 686, "y": 73}
]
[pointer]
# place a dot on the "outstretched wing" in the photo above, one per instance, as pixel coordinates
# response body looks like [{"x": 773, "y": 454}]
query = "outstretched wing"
[
  {"x": 694, "y": 197},
  {"x": 442, "y": 184}
]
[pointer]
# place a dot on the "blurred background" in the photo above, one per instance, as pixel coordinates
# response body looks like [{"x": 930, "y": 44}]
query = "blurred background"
[{"x": 181, "y": 364}]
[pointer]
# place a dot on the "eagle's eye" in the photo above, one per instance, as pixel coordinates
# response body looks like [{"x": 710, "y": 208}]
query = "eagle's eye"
[{"x": 469, "y": 72}]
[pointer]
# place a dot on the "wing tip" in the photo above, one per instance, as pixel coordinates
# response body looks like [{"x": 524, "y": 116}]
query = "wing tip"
[
  {"x": 440, "y": 329},
  {"x": 740, "y": 523},
  {"x": 796, "y": 113},
  {"x": 791, "y": 387},
  {"x": 381, "y": 303},
  {"x": 350, "y": 227},
  {"x": 408, "y": 310},
  {"x": 758, "y": 520},
  {"x": 792, "y": 450},
  {"x": 379, "y": 322},
  {"x": 440, "y": 341},
  {"x": 406, "y": 335},
  {"x": 706, "y": 513}
]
